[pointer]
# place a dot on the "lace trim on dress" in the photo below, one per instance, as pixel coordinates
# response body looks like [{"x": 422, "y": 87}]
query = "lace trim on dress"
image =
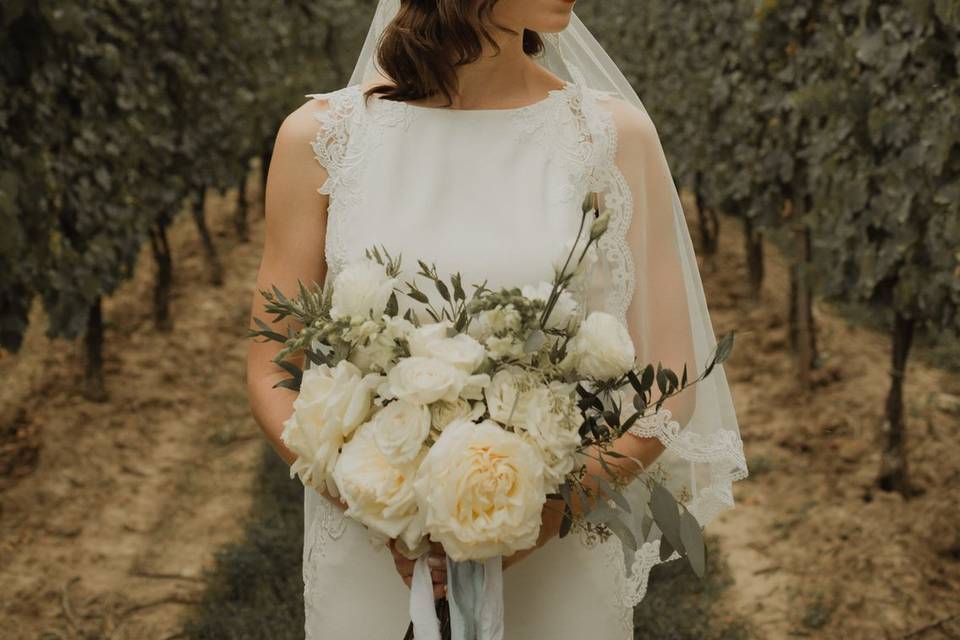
[
  {"x": 350, "y": 130},
  {"x": 325, "y": 525}
]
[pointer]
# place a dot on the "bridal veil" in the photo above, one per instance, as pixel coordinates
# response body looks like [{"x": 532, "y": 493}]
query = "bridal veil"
[{"x": 648, "y": 277}]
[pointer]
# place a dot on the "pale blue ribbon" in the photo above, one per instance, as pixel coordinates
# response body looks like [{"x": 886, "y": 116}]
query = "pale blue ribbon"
[{"x": 475, "y": 595}]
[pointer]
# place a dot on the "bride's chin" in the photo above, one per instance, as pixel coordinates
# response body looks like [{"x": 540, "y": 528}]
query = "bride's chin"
[{"x": 553, "y": 24}]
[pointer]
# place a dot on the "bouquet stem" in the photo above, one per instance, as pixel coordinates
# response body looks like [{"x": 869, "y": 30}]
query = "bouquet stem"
[{"x": 443, "y": 615}]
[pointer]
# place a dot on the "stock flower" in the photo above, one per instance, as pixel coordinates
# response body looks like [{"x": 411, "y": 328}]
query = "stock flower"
[
  {"x": 361, "y": 289},
  {"x": 550, "y": 421},
  {"x": 379, "y": 353},
  {"x": 502, "y": 348},
  {"x": 481, "y": 491},
  {"x": 497, "y": 321},
  {"x": 601, "y": 349}
]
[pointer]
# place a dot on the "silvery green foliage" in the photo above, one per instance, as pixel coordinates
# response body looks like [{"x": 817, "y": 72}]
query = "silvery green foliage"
[{"x": 112, "y": 113}]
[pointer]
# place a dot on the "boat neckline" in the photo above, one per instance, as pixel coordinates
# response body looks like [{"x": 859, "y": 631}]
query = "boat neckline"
[{"x": 550, "y": 95}]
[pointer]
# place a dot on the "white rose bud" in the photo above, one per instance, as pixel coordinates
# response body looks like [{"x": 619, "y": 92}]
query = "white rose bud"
[
  {"x": 602, "y": 348},
  {"x": 361, "y": 289}
]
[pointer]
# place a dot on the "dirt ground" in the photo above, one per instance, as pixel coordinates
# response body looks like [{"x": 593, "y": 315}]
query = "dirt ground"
[
  {"x": 110, "y": 513},
  {"x": 815, "y": 549}
]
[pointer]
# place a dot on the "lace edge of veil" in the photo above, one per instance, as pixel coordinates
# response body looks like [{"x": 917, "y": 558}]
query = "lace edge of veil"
[{"x": 722, "y": 450}]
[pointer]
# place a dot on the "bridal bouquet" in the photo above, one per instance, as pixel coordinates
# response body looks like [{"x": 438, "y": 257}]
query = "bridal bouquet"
[{"x": 453, "y": 417}]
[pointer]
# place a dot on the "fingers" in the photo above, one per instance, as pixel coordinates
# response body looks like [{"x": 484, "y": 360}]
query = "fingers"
[{"x": 436, "y": 561}]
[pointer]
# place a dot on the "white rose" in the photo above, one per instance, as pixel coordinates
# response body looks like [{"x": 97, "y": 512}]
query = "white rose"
[
  {"x": 505, "y": 395},
  {"x": 400, "y": 429},
  {"x": 551, "y": 421},
  {"x": 564, "y": 309},
  {"x": 362, "y": 289},
  {"x": 460, "y": 350},
  {"x": 496, "y": 321},
  {"x": 340, "y": 397},
  {"x": 379, "y": 353},
  {"x": 601, "y": 349},
  {"x": 423, "y": 380},
  {"x": 330, "y": 405},
  {"x": 481, "y": 490},
  {"x": 317, "y": 447},
  {"x": 443, "y": 413},
  {"x": 378, "y": 491}
]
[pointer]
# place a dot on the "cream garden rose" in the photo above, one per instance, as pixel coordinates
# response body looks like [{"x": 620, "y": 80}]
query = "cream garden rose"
[
  {"x": 601, "y": 349},
  {"x": 481, "y": 491},
  {"x": 361, "y": 289},
  {"x": 378, "y": 490}
]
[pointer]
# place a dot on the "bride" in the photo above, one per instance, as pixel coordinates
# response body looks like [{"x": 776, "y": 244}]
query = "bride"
[{"x": 468, "y": 136}]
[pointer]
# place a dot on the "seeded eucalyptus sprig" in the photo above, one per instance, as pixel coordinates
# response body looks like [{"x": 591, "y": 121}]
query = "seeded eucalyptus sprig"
[{"x": 602, "y": 512}]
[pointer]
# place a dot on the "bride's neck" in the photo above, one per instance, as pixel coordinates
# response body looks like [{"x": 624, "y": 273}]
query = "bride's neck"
[{"x": 495, "y": 78}]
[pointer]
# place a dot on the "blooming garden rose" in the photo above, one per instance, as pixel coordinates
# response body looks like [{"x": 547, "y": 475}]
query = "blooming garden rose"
[{"x": 481, "y": 490}]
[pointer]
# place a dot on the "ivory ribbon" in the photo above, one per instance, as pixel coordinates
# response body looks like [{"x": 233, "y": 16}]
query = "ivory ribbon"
[{"x": 475, "y": 595}]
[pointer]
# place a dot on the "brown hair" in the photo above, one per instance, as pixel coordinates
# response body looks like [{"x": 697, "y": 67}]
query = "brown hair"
[{"x": 428, "y": 39}]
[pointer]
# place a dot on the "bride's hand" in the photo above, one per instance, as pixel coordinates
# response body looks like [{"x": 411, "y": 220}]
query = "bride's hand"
[
  {"x": 437, "y": 562},
  {"x": 550, "y": 520}
]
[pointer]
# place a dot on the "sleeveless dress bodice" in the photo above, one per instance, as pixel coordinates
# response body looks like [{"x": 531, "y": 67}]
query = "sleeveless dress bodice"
[
  {"x": 496, "y": 195},
  {"x": 429, "y": 182}
]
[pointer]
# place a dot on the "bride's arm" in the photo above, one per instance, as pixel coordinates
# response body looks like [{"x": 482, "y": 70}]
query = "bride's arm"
[
  {"x": 658, "y": 316},
  {"x": 293, "y": 250}
]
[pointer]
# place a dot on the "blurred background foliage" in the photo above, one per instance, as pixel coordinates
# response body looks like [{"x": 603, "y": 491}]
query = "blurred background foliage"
[{"x": 829, "y": 127}]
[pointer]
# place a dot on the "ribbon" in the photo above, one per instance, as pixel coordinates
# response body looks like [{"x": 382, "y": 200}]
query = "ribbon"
[
  {"x": 423, "y": 612},
  {"x": 475, "y": 595}
]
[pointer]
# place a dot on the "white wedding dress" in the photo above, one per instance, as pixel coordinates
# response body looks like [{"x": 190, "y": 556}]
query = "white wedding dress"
[{"x": 496, "y": 195}]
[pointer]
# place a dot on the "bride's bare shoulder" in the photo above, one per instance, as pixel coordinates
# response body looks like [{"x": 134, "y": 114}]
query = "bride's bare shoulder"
[{"x": 302, "y": 124}]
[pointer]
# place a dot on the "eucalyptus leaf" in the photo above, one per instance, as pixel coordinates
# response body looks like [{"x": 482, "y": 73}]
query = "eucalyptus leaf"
[
  {"x": 693, "y": 544},
  {"x": 666, "y": 513}
]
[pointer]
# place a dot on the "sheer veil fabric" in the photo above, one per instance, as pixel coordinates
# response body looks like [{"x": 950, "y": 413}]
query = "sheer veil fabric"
[{"x": 647, "y": 276}]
